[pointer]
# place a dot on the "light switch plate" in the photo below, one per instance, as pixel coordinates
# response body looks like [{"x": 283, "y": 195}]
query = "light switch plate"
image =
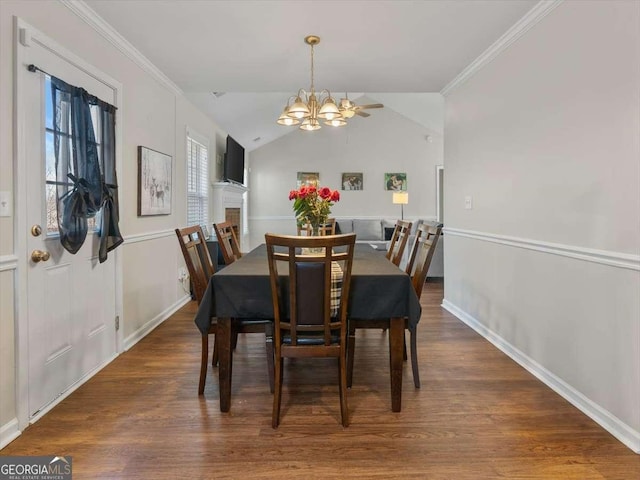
[
  {"x": 468, "y": 202},
  {"x": 5, "y": 204}
]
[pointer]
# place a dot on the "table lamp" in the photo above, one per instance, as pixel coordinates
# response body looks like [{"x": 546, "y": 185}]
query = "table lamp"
[{"x": 401, "y": 198}]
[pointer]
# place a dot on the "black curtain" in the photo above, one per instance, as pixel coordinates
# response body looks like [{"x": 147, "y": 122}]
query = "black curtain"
[
  {"x": 110, "y": 236},
  {"x": 84, "y": 186}
]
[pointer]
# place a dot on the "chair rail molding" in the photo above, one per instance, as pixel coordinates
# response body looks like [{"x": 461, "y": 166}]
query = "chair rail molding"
[
  {"x": 613, "y": 259},
  {"x": 145, "y": 237}
]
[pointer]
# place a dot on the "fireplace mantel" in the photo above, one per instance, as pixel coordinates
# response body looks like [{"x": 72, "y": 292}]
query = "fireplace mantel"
[{"x": 228, "y": 187}]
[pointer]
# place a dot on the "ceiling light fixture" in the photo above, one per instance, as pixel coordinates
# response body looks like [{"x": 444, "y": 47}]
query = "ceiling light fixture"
[{"x": 307, "y": 110}]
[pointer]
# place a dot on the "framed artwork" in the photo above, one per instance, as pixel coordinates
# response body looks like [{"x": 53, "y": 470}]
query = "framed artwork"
[
  {"x": 154, "y": 182},
  {"x": 352, "y": 181},
  {"x": 308, "y": 178},
  {"x": 395, "y": 181}
]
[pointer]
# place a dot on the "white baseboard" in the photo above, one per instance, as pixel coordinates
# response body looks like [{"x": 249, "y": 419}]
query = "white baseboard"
[
  {"x": 604, "y": 418},
  {"x": 143, "y": 331},
  {"x": 9, "y": 432}
]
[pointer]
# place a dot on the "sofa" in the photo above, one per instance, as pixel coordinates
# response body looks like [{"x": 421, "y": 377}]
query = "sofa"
[
  {"x": 375, "y": 232},
  {"x": 378, "y": 232}
]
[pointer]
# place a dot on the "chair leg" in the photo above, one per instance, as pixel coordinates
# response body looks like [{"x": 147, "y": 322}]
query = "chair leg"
[
  {"x": 203, "y": 363},
  {"x": 404, "y": 348},
  {"x": 344, "y": 407},
  {"x": 268, "y": 333},
  {"x": 277, "y": 395},
  {"x": 214, "y": 359},
  {"x": 414, "y": 358},
  {"x": 351, "y": 347}
]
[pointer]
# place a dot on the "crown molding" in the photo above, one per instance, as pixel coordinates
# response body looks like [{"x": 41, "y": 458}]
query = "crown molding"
[
  {"x": 91, "y": 18},
  {"x": 522, "y": 26}
]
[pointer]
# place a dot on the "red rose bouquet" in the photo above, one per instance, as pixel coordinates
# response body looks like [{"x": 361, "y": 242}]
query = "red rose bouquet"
[{"x": 312, "y": 205}]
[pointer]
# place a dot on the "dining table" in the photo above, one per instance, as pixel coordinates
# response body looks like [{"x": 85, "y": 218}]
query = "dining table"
[{"x": 241, "y": 290}]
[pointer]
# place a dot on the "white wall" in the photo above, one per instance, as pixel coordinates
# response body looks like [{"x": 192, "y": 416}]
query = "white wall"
[
  {"x": 384, "y": 142},
  {"x": 545, "y": 138},
  {"x": 153, "y": 113}
]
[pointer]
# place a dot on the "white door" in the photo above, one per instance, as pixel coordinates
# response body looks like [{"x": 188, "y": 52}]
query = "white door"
[{"x": 71, "y": 301}]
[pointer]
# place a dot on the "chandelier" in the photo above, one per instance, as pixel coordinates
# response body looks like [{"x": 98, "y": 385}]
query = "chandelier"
[{"x": 307, "y": 110}]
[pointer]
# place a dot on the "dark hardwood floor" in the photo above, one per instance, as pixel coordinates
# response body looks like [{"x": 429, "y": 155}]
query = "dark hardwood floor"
[{"x": 478, "y": 415}]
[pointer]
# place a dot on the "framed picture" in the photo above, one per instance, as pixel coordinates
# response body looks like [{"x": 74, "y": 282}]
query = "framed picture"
[
  {"x": 308, "y": 178},
  {"x": 352, "y": 181},
  {"x": 395, "y": 181},
  {"x": 154, "y": 182}
]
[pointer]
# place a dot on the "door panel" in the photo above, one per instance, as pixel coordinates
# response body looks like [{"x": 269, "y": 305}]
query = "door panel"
[{"x": 71, "y": 298}]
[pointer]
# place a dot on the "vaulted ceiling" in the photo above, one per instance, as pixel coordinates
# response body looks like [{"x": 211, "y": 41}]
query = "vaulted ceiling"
[{"x": 253, "y": 55}]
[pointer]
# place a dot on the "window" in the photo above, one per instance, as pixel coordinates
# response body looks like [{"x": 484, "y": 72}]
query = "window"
[
  {"x": 50, "y": 159},
  {"x": 197, "y": 180}
]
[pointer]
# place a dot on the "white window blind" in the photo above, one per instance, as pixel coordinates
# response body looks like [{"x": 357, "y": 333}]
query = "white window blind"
[{"x": 197, "y": 182}]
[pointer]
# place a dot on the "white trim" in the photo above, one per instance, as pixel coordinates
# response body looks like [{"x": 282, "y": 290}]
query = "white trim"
[
  {"x": 9, "y": 432},
  {"x": 604, "y": 418},
  {"x": 8, "y": 262},
  {"x": 144, "y": 237},
  {"x": 91, "y": 18},
  {"x": 533, "y": 16},
  {"x": 613, "y": 259},
  {"x": 439, "y": 188},
  {"x": 145, "y": 329},
  {"x": 32, "y": 35},
  {"x": 428, "y": 218}
]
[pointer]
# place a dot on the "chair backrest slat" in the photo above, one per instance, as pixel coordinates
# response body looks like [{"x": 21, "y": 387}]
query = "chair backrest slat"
[
  {"x": 196, "y": 256},
  {"x": 302, "y": 285},
  {"x": 228, "y": 242},
  {"x": 399, "y": 241},
  {"x": 328, "y": 228},
  {"x": 427, "y": 236}
]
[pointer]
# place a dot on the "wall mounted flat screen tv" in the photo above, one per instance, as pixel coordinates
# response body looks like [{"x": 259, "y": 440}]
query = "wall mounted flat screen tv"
[{"x": 234, "y": 162}]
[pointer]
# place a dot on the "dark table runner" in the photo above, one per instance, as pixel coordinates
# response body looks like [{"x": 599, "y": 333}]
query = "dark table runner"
[{"x": 379, "y": 289}]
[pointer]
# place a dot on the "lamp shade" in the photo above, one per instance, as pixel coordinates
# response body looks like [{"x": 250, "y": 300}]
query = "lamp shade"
[{"x": 400, "y": 198}]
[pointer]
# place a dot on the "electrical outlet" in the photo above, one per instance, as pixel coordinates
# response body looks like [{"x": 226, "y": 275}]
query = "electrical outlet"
[{"x": 182, "y": 274}]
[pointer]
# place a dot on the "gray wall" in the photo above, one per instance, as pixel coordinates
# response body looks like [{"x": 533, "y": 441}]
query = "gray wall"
[{"x": 545, "y": 139}]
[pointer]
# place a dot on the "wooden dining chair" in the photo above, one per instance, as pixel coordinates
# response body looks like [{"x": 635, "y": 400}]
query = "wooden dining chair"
[
  {"x": 427, "y": 236},
  {"x": 304, "y": 229},
  {"x": 200, "y": 267},
  {"x": 228, "y": 242},
  {"x": 308, "y": 323},
  {"x": 398, "y": 243},
  {"x": 328, "y": 228}
]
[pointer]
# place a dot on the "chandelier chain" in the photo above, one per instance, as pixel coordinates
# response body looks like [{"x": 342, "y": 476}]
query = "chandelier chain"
[{"x": 312, "y": 87}]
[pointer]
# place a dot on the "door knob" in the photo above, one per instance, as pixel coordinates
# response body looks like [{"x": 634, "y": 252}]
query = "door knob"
[{"x": 39, "y": 255}]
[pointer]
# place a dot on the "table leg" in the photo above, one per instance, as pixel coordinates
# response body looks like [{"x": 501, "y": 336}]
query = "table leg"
[
  {"x": 396, "y": 345},
  {"x": 225, "y": 357}
]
